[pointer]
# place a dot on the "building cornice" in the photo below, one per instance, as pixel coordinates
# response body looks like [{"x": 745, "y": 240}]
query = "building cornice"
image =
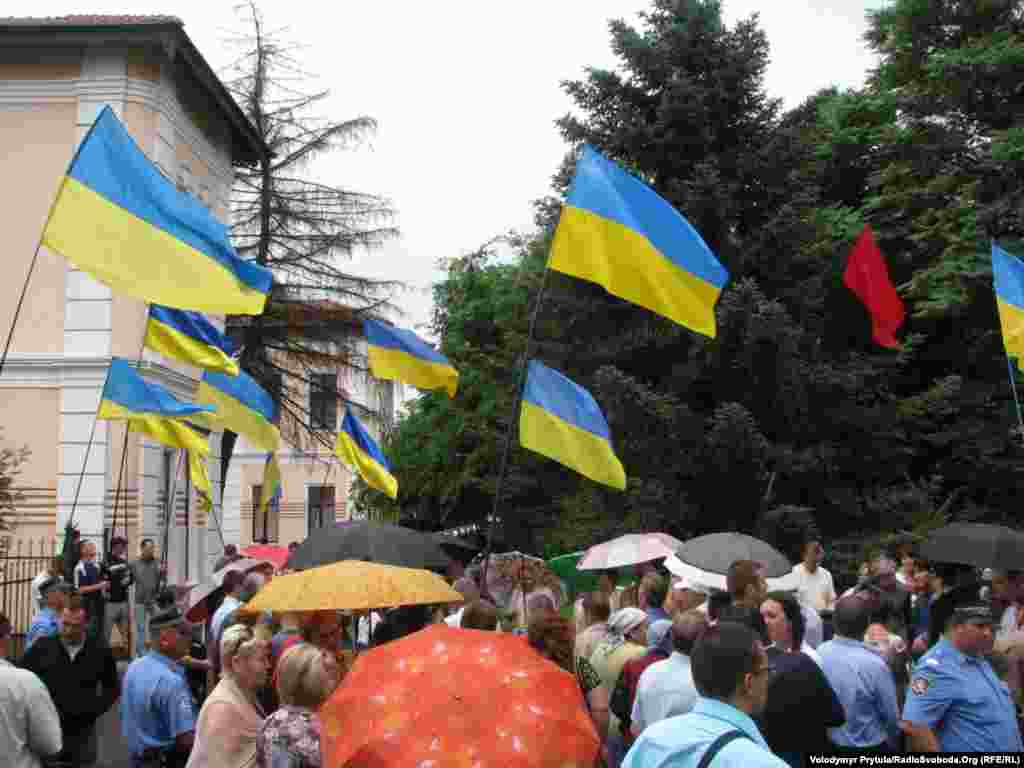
[
  {"x": 129, "y": 90},
  {"x": 57, "y": 371},
  {"x": 166, "y": 32}
]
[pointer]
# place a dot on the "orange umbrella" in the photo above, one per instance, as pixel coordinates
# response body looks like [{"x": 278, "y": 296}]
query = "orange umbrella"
[{"x": 457, "y": 697}]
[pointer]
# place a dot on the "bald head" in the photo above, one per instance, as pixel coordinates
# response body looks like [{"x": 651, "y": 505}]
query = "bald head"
[
  {"x": 851, "y": 617},
  {"x": 688, "y": 626}
]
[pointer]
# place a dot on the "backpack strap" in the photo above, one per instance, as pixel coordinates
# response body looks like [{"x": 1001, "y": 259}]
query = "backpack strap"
[{"x": 716, "y": 746}]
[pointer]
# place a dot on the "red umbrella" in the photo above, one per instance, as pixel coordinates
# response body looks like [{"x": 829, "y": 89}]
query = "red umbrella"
[
  {"x": 275, "y": 554},
  {"x": 445, "y": 696}
]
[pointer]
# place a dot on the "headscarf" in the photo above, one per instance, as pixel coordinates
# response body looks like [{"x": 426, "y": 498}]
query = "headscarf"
[
  {"x": 620, "y": 624},
  {"x": 658, "y": 634}
]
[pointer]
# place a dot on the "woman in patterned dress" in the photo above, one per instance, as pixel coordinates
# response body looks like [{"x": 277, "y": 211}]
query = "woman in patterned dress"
[{"x": 290, "y": 738}]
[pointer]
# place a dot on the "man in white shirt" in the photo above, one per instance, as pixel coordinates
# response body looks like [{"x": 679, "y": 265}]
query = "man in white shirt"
[
  {"x": 814, "y": 584},
  {"x": 666, "y": 688},
  {"x": 29, "y": 724}
]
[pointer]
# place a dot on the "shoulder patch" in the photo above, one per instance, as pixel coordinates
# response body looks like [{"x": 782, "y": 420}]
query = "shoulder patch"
[{"x": 920, "y": 685}]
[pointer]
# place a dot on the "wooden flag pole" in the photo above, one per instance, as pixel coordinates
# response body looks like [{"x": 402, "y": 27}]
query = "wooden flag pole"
[{"x": 32, "y": 269}]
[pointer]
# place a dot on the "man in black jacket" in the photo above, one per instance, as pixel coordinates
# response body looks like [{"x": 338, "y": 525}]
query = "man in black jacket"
[
  {"x": 115, "y": 570},
  {"x": 81, "y": 676}
]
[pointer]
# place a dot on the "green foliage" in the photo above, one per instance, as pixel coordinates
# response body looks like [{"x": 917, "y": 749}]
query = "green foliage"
[
  {"x": 790, "y": 419},
  {"x": 12, "y": 461}
]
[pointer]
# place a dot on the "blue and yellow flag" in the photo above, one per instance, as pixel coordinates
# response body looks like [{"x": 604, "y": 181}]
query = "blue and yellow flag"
[
  {"x": 401, "y": 355},
  {"x": 200, "y": 477},
  {"x": 271, "y": 482},
  {"x": 126, "y": 395},
  {"x": 356, "y": 448},
  {"x": 561, "y": 420},
  {"x": 1008, "y": 275},
  {"x": 191, "y": 338},
  {"x": 149, "y": 408},
  {"x": 619, "y": 233},
  {"x": 242, "y": 406},
  {"x": 119, "y": 219}
]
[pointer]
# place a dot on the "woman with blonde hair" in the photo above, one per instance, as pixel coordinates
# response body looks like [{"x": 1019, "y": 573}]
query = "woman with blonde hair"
[
  {"x": 290, "y": 738},
  {"x": 231, "y": 717}
]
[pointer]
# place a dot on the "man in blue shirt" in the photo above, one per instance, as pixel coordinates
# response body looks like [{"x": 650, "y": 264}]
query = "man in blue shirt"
[
  {"x": 862, "y": 682},
  {"x": 956, "y": 703},
  {"x": 731, "y": 671},
  {"x": 90, "y": 584},
  {"x": 46, "y": 623},
  {"x": 653, "y": 591},
  {"x": 158, "y": 715}
]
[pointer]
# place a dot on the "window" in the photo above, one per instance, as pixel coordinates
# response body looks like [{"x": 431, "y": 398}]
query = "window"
[
  {"x": 323, "y": 401},
  {"x": 265, "y": 523},
  {"x": 319, "y": 506}
]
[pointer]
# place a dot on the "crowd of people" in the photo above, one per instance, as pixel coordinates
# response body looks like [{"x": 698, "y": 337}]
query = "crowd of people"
[{"x": 914, "y": 657}]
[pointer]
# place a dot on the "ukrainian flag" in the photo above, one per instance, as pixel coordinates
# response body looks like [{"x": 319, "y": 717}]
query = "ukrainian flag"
[
  {"x": 242, "y": 406},
  {"x": 200, "y": 477},
  {"x": 356, "y": 448},
  {"x": 149, "y": 408},
  {"x": 119, "y": 219},
  {"x": 561, "y": 420},
  {"x": 403, "y": 356},
  {"x": 191, "y": 338},
  {"x": 271, "y": 482},
  {"x": 1008, "y": 274},
  {"x": 619, "y": 233},
  {"x": 172, "y": 433}
]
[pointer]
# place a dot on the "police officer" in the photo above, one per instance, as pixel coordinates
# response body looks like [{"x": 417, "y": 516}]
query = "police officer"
[
  {"x": 158, "y": 714},
  {"x": 956, "y": 703}
]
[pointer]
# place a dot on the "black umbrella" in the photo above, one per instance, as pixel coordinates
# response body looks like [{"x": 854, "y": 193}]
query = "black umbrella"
[
  {"x": 715, "y": 552},
  {"x": 375, "y": 542},
  {"x": 978, "y": 544},
  {"x": 456, "y": 548}
]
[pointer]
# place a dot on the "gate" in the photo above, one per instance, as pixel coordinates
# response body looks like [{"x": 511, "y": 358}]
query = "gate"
[{"x": 20, "y": 562}]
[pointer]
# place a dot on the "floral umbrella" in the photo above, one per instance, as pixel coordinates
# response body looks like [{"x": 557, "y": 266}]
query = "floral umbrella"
[{"x": 445, "y": 696}]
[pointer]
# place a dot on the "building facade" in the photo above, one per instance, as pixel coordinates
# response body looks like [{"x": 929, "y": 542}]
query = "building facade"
[
  {"x": 56, "y": 75},
  {"x": 314, "y": 485}
]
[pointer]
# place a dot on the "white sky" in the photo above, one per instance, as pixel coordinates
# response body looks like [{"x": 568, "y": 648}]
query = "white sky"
[{"x": 466, "y": 94}]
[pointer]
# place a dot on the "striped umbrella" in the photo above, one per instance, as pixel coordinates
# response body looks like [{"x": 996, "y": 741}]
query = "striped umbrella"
[{"x": 631, "y": 549}]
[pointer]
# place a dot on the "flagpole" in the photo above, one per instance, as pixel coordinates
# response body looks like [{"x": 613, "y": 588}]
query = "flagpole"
[
  {"x": 31, "y": 271},
  {"x": 1016, "y": 400},
  {"x": 172, "y": 493},
  {"x": 503, "y": 466},
  {"x": 88, "y": 450},
  {"x": 124, "y": 446}
]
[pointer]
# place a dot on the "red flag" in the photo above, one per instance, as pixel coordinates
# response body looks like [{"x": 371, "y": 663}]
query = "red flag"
[{"x": 868, "y": 277}]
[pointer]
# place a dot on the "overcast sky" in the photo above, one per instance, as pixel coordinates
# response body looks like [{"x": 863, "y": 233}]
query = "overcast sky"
[{"x": 466, "y": 94}]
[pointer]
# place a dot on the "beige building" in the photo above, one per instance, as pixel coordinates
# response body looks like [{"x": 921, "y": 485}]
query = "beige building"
[{"x": 55, "y": 77}]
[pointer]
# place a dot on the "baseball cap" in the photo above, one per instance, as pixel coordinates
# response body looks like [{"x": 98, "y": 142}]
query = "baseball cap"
[{"x": 55, "y": 582}]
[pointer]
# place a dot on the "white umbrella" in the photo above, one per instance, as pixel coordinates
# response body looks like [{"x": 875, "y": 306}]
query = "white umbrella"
[
  {"x": 704, "y": 581},
  {"x": 631, "y": 549}
]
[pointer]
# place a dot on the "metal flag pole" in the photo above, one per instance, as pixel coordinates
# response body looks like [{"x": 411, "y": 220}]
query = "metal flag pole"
[
  {"x": 171, "y": 494},
  {"x": 124, "y": 445},
  {"x": 1016, "y": 399},
  {"x": 503, "y": 466}
]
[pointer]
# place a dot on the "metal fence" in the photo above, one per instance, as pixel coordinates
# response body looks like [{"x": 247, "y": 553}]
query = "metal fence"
[{"x": 20, "y": 562}]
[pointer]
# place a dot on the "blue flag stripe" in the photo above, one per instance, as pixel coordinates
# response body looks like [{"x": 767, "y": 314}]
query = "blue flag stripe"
[{"x": 559, "y": 395}]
